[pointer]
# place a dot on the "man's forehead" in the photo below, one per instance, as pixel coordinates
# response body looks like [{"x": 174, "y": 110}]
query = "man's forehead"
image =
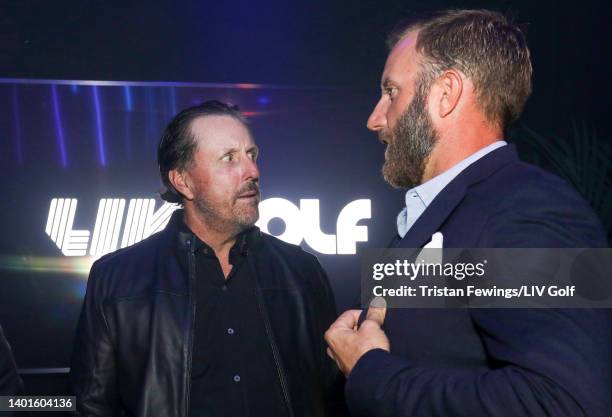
[
  {"x": 406, "y": 43},
  {"x": 218, "y": 122},
  {"x": 219, "y": 130},
  {"x": 401, "y": 59}
]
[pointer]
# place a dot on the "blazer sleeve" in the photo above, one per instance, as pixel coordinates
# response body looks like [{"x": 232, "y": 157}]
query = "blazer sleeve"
[
  {"x": 542, "y": 362},
  {"x": 94, "y": 369}
]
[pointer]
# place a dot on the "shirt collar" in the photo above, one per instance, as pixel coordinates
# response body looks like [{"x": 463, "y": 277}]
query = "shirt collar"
[
  {"x": 431, "y": 188},
  {"x": 417, "y": 199},
  {"x": 241, "y": 245}
]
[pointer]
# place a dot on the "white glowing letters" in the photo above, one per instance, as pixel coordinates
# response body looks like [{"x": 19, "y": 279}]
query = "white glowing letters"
[
  {"x": 141, "y": 221},
  {"x": 303, "y": 223},
  {"x": 59, "y": 227}
]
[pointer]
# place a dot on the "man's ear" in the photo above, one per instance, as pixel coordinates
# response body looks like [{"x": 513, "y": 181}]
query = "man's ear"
[
  {"x": 450, "y": 84},
  {"x": 180, "y": 180}
]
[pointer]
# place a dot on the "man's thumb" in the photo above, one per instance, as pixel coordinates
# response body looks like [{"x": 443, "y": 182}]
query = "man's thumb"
[{"x": 377, "y": 310}]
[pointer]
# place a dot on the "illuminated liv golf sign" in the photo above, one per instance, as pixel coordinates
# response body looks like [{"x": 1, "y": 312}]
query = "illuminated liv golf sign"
[{"x": 142, "y": 220}]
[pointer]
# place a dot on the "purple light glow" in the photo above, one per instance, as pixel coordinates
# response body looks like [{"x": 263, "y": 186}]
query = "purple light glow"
[
  {"x": 17, "y": 119},
  {"x": 128, "y": 98},
  {"x": 99, "y": 130},
  {"x": 58, "y": 127},
  {"x": 240, "y": 86},
  {"x": 173, "y": 100}
]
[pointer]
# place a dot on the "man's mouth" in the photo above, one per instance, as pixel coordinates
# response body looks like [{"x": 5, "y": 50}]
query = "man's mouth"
[
  {"x": 249, "y": 195},
  {"x": 384, "y": 139},
  {"x": 250, "y": 190}
]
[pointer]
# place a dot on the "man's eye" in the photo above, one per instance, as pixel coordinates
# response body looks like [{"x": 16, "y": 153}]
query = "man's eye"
[
  {"x": 390, "y": 92},
  {"x": 228, "y": 158},
  {"x": 253, "y": 156}
]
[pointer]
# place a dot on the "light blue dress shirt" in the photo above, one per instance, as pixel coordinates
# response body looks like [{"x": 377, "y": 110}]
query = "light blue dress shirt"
[{"x": 421, "y": 196}]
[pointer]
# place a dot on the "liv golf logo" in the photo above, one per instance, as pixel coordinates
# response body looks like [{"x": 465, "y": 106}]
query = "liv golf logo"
[{"x": 115, "y": 227}]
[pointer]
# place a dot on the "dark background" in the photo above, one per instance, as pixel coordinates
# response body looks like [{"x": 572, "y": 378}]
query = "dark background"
[
  {"x": 323, "y": 43},
  {"x": 324, "y": 46}
]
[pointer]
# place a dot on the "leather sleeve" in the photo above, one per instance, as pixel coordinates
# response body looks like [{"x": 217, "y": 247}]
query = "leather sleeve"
[
  {"x": 334, "y": 379},
  {"x": 93, "y": 371},
  {"x": 10, "y": 382}
]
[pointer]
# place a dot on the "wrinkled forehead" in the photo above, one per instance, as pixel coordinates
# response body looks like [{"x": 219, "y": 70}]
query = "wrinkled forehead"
[{"x": 220, "y": 131}]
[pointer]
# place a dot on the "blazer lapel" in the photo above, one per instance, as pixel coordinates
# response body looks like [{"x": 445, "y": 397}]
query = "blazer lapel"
[
  {"x": 449, "y": 198},
  {"x": 433, "y": 217}
]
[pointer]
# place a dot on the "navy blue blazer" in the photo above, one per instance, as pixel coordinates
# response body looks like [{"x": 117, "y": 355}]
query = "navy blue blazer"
[{"x": 494, "y": 362}]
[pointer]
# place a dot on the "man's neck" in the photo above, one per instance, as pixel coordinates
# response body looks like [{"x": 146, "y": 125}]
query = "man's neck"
[
  {"x": 449, "y": 151},
  {"x": 219, "y": 238}
]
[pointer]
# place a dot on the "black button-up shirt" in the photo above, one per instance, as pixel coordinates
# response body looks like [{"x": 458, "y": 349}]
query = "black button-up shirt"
[{"x": 233, "y": 372}]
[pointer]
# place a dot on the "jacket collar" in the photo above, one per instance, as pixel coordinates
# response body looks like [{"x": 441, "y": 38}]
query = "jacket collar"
[
  {"x": 184, "y": 238},
  {"x": 450, "y": 197}
]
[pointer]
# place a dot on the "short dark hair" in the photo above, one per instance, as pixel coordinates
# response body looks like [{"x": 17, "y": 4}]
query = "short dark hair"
[
  {"x": 486, "y": 47},
  {"x": 178, "y": 145}
]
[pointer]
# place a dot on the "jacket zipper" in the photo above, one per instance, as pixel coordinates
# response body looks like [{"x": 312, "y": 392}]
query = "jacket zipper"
[
  {"x": 277, "y": 359},
  {"x": 191, "y": 263}
]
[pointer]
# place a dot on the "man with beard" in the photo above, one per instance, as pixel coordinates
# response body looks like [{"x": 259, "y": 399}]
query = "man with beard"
[
  {"x": 209, "y": 317},
  {"x": 451, "y": 85}
]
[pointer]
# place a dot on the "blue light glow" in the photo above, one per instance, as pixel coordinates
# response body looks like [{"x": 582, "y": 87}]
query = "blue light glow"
[
  {"x": 58, "y": 126},
  {"x": 173, "y": 100},
  {"x": 17, "y": 119},
  {"x": 146, "y": 84},
  {"x": 99, "y": 130},
  {"x": 149, "y": 127},
  {"x": 128, "y": 98},
  {"x": 127, "y": 127}
]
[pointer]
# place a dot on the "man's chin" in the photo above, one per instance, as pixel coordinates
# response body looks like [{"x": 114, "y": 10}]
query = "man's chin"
[
  {"x": 247, "y": 218},
  {"x": 397, "y": 180}
]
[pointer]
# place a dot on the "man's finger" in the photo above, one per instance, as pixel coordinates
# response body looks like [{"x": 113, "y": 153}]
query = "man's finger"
[
  {"x": 377, "y": 310},
  {"x": 347, "y": 320},
  {"x": 330, "y": 353}
]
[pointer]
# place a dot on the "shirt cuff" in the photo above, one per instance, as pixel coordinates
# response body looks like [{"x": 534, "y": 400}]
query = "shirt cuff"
[{"x": 365, "y": 385}]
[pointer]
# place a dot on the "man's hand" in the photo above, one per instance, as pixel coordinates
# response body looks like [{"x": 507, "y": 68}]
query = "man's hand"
[{"x": 347, "y": 343}]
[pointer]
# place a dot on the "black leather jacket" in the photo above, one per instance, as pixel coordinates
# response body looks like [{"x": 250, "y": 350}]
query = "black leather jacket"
[
  {"x": 132, "y": 354},
  {"x": 10, "y": 382}
]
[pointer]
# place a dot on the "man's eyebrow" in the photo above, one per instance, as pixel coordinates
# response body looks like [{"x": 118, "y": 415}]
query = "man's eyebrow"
[
  {"x": 253, "y": 148},
  {"x": 387, "y": 82},
  {"x": 229, "y": 150}
]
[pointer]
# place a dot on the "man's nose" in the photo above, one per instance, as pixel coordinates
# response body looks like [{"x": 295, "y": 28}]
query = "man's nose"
[
  {"x": 378, "y": 119},
  {"x": 251, "y": 172}
]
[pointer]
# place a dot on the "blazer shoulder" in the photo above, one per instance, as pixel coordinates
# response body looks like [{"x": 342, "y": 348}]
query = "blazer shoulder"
[
  {"x": 535, "y": 188},
  {"x": 523, "y": 198}
]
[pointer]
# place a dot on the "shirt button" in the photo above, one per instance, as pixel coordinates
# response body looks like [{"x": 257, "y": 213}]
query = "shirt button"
[
  {"x": 188, "y": 243},
  {"x": 236, "y": 378},
  {"x": 224, "y": 288},
  {"x": 230, "y": 331}
]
